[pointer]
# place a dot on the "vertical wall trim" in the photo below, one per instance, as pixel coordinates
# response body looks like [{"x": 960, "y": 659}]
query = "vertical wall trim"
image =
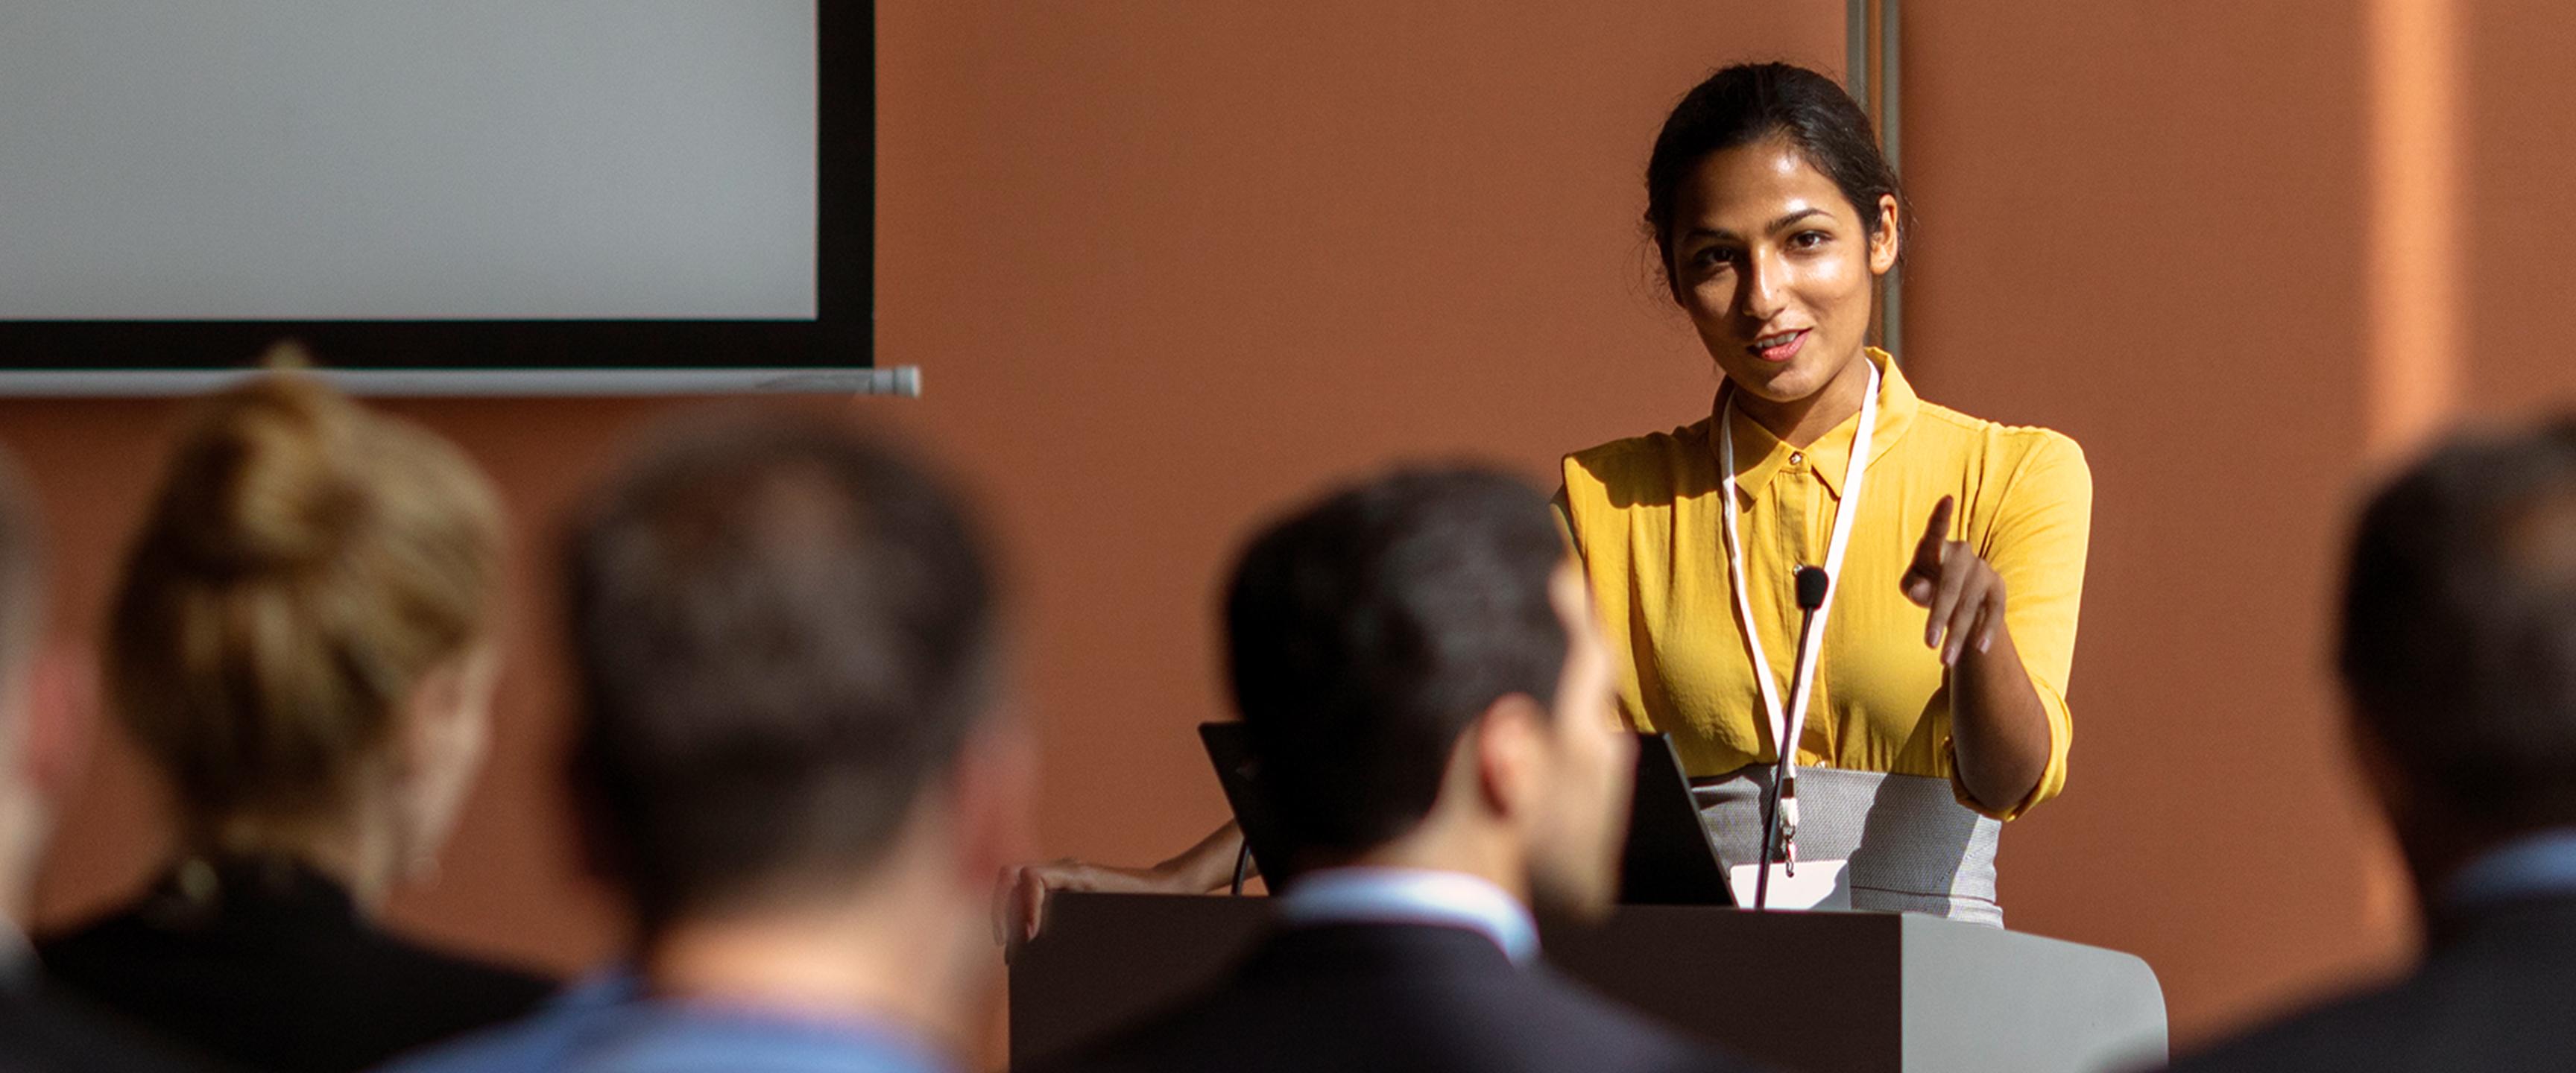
[
  {"x": 1871, "y": 74},
  {"x": 1891, "y": 330},
  {"x": 1856, "y": 47},
  {"x": 2415, "y": 299}
]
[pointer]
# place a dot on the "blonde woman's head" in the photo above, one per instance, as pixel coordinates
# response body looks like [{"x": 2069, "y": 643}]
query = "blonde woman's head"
[{"x": 301, "y": 639}]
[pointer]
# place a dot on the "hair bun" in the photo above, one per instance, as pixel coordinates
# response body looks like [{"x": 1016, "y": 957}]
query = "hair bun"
[{"x": 263, "y": 481}]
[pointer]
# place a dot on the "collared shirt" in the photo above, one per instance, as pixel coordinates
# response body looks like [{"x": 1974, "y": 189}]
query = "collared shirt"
[
  {"x": 17, "y": 955},
  {"x": 1644, "y": 515},
  {"x": 607, "y": 1024},
  {"x": 2539, "y": 865},
  {"x": 1412, "y": 896}
]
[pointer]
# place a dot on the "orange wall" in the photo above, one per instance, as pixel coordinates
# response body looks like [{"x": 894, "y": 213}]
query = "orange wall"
[
  {"x": 2148, "y": 229},
  {"x": 1168, "y": 265},
  {"x": 2518, "y": 317}
]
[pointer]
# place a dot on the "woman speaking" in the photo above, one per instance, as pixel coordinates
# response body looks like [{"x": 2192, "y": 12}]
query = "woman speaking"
[
  {"x": 1943, "y": 554},
  {"x": 1928, "y": 702}
]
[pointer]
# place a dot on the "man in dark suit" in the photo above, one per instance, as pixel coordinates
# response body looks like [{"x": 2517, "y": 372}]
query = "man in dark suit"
[
  {"x": 45, "y": 712},
  {"x": 2459, "y": 660},
  {"x": 1429, "y": 697}
]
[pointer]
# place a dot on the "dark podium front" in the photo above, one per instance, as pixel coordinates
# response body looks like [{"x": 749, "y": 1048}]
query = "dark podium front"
[{"x": 1805, "y": 991}]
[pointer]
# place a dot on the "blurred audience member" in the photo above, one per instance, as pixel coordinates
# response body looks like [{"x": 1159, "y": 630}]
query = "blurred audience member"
[
  {"x": 794, "y": 762},
  {"x": 301, "y": 645},
  {"x": 45, "y": 699},
  {"x": 2459, "y": 665},
  {"x": 1430, "y": 700}
]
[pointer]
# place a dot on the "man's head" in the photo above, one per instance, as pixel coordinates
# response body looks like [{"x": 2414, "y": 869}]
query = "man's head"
[
  {"x": 786, "y": 644},
  {"x": 2459, "y": 643},
  {"x": 1420, "y": 673}
]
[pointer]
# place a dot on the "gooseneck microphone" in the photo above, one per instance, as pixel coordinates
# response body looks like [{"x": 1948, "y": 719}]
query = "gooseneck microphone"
[{"x": 1812, "y": 582}]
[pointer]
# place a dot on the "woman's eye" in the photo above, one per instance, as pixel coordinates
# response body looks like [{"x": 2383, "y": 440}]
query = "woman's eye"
[
  {"x": 1807, "y": 240},
  {"x": 1712, "y": 257}
]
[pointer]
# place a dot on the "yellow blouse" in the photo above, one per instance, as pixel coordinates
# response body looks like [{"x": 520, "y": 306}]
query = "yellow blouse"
[{"x": 1643, "y": 515}]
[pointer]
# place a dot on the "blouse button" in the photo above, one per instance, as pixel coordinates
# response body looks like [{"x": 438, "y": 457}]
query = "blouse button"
[{"x": 1797, "y": 458}]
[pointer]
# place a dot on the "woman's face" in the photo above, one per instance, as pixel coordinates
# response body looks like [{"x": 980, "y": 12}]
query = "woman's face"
[{"x": 1772, "y": 264}]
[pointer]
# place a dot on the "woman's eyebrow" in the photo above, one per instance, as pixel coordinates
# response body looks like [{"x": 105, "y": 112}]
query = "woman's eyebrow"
[
  {"x": 1775, "y": 225},
  {"x": 1794, "y": 217}
]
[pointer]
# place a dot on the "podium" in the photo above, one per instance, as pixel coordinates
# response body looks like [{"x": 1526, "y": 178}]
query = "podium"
[{"x": 1820, "y": 992}]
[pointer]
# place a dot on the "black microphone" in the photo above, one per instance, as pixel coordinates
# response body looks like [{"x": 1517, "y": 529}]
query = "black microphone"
[{"x": 1812, "y": 583}]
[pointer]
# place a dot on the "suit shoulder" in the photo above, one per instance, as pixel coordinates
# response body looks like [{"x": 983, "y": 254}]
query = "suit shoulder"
[
  {"x": 2378, "y": 1029},
  {"x": 1511, "y": 1023},
  {"x": 42, "y": 1031},
  {"x": 1601, "y": 1026}
]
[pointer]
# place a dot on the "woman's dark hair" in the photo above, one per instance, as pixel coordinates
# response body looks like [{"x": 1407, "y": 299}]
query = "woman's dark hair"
[{"x": 1748, "y": 102}]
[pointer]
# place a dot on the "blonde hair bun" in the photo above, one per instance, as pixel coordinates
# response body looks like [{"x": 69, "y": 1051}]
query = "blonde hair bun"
[
  {"x": 265, "y": 481},
  {"x": 305, "y": 564}
]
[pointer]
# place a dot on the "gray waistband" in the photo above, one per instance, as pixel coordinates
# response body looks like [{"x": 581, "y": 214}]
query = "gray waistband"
[{"x": 1913, "y": 847}]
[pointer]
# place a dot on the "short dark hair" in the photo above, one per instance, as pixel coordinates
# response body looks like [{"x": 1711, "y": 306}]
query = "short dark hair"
[
  {"x": 1366, "y": 632},
  {"x": 1748, "y": 102},
  {"x": 2459, "y": 625},
  {"x": 783, "y": 632}
]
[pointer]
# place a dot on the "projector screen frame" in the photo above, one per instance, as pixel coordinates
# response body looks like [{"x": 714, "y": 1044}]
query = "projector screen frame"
[{"x": 832, "y": 353}]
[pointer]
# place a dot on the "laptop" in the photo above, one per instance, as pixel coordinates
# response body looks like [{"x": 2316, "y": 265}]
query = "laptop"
[{"x": 1669, "y": 858}]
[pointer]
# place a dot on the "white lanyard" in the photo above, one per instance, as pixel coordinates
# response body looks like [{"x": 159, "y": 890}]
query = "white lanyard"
[{"x": 1787, "y": 728}]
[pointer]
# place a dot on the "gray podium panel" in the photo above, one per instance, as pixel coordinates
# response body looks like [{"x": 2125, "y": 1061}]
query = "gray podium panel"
[{"x": 1804, "y": 991}]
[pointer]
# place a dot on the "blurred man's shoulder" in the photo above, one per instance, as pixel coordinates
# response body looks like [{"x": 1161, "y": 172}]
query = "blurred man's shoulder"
[
  {"x": 43, "y": 1030},
  {"x": 1440, "y": 1011}
]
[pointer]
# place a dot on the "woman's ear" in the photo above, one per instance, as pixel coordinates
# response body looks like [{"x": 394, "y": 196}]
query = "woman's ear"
[
  {"x": 2382, "y": 777},
  {"x": 1888, "y": 239},
  {"x": 440, "y": 743},
  {"x": 425, "y": 733}
]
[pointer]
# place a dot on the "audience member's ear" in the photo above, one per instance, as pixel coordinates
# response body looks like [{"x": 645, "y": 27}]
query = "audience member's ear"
[
  {"x": 62, "y": 718},
  {"x": 602, "y": 858},
  {"x": 1510, "y": 743},
  {"x": 995, "y": 794},
  {"x": 2381, "y": 774},
  {"x": 446, "y": 718}
]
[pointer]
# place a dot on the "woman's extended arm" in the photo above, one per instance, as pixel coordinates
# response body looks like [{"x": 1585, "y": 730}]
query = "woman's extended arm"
[
  {"x": 1999, "y": 728},
  {"x": 2009, "y": 659},
  {"x": 1020, "y": 907}
]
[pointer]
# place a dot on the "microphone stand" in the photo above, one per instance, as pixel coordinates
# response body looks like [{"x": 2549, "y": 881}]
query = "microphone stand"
[{"x": 1812, "y": 583}]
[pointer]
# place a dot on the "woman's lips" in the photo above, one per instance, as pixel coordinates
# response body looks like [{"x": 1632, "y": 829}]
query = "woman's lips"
[{"x": 1779, "y": 346}]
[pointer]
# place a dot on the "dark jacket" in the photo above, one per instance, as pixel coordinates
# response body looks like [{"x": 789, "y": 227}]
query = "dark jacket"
[
  {"x": 2493, "y": 994},
  {"x": 272, "y": 967},
  {"x": 1367, "y": 997},
  {"x": 43, "y": 1030}
]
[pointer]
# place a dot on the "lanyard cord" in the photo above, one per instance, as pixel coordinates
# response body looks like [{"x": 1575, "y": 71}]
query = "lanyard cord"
[{"x": 1789, "y": 727}]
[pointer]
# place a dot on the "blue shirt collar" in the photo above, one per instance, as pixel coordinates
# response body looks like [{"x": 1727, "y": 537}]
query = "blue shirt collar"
[
  {"x": 1413, "y": 896},
  {"x": 2538, "y": 865},
  {"x": 666, "y": 1036},
  {"x": 607, "y": 1021}
]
